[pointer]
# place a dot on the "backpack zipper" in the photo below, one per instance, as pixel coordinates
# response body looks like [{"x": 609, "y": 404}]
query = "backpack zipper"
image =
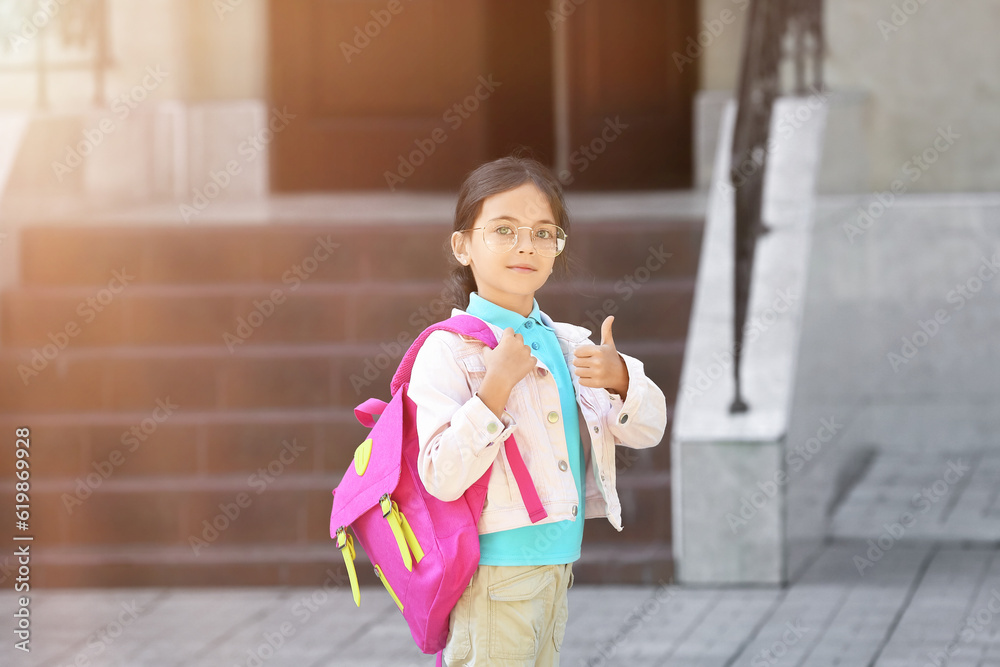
[{"x": 385, "y": 582}]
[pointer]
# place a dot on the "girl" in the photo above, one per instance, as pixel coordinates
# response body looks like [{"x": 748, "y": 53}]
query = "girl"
[{"x": 510, "y": 229}]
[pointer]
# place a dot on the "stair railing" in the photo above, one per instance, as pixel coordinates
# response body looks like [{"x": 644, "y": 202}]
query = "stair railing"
[{"x": 769, "y": 25}]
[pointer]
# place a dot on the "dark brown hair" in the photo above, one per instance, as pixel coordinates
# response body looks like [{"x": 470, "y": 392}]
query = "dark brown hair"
[{"x": 492, "y": 178}]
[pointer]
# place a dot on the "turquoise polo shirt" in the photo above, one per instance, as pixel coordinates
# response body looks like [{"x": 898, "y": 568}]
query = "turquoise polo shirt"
[{"x": 551, "y": 543}]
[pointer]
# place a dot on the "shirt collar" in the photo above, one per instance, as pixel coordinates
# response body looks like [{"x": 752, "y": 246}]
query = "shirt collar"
[{"x": 498, "y": 316}]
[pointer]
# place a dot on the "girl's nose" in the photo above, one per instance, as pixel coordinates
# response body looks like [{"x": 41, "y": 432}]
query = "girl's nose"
[{"x": 524, "y": 241}]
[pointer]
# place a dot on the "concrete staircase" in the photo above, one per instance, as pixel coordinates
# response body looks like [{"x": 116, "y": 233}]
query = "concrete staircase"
[{"x": 189, "y": 390}]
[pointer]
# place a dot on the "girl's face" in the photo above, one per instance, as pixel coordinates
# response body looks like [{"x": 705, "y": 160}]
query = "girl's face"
[{"x": 510, "y": 279}]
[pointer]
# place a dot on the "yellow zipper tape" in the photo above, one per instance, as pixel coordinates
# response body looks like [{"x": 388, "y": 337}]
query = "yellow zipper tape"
[
  {"x": 346, "y": 544},
  {"x": 411, "y": 538},
  {"x": 385, "y": 582},
  {"x": 391, "y": 515}
]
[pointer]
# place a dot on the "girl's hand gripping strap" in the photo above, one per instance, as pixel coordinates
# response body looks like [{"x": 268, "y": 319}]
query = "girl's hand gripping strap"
[{"x": 472, "y": 326}]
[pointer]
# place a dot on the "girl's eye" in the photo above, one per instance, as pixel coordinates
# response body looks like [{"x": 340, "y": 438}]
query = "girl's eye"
[
  {"x": 544, "y": 233},
  {"x": 503, "y": 230}
]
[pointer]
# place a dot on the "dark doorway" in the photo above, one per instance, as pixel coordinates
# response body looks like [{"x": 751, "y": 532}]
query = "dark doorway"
[{"x": 411, "y": 95}]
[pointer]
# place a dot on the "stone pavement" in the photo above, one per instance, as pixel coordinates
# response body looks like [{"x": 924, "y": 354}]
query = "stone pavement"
[
  {"x": 913, "y": 604},
  {"x": 949, "y": 495}
]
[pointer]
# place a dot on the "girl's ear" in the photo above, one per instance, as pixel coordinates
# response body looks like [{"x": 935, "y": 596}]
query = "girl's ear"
[{"x": 458, "y": 247}]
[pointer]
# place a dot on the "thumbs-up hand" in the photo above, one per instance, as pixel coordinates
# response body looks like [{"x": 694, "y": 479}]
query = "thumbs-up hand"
[{"x": 601, "y": 365}]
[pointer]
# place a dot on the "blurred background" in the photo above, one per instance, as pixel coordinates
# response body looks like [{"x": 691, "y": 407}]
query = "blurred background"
[{"x": 222, "y": 222}]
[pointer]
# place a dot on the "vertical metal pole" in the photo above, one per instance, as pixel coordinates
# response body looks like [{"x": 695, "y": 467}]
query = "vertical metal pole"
[
  {"x": 101, "y": 50},
  {"x": 560, "y": 91},
  {"x": 43, "y": 79}
]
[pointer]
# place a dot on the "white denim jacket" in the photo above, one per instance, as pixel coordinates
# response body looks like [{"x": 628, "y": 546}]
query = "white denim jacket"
[{"x": 460, "y": 438}]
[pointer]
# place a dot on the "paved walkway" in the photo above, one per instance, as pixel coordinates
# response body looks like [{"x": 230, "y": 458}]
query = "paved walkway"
[
  {"x": 907, "y": 606},
  {"x": 875, "y": 596},
  {"x": 948, "y": 495}
]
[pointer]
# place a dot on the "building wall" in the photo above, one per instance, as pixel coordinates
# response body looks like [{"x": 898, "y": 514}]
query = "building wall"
[
  {"x": 922, "y": 72},
  {"x": 207, "y": 52}
]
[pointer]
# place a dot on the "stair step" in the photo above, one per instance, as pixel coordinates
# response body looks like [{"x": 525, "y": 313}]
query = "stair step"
[
  {"x": 266, "y": 564},
  {"x": 257, "y": 564},
  {"x": 275, "y": 504},
  {"x": 346, "y": 253},
  {"x": 233, "y": 316},
  {"x": 205, "y": 378},
  {"x": 96, "y": 446}
]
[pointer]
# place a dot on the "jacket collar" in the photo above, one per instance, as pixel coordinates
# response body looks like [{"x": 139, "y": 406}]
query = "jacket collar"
[{"x": 569, "y": 335}]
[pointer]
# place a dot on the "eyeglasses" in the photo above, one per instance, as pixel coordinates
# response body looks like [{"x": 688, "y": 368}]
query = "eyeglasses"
[{"x": 500, "y": 236}]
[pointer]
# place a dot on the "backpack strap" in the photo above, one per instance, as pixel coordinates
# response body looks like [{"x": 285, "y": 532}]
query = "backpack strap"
[{"x": 473, "y": 326}]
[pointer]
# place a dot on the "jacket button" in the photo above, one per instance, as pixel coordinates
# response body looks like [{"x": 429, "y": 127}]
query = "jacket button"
[
  {"x": 574, "y": 510},
  {"x": 527, "y": 325},
  {"x": 535, "y": 346},
  {"x": 623, "y": 419},
  {"x": 492, "y": 427},
  {"x": 597, "y": 429},
  {"x": 553, "y": 417},
  {"x": 563, "y": 466}
]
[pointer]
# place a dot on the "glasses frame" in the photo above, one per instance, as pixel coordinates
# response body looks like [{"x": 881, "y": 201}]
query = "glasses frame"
[{"x": 517, "y": 239}]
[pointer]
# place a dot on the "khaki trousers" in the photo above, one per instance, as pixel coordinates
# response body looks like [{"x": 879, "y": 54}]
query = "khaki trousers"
[{"x": 510, "y": 616}]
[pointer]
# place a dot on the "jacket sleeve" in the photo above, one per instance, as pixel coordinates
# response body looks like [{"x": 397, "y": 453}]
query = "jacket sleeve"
[
  {"x": 459, "y": 436},
  {"x": 641, "y": 419}
]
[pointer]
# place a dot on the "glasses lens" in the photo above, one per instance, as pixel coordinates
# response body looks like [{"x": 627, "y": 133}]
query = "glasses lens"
[
  {"x": 549, "y": 240},
  {"x": 500, "y": 236}
]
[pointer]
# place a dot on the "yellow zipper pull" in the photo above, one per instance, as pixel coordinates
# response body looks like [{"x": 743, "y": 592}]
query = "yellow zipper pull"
[
  {"x": 385, "y": 582},
  {"x": 397, "y": 530},
  {"x": 411, "y": 538},
  {"x": 346, "y": 545}
]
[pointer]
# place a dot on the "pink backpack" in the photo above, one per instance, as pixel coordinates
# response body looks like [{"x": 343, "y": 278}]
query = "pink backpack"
[{"x": 424, "y": 550}]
